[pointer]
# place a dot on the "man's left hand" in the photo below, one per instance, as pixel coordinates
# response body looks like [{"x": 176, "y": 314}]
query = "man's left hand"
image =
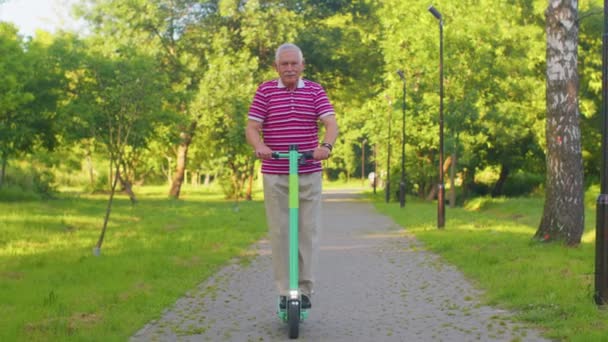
[{"x": 321, "y": 153}]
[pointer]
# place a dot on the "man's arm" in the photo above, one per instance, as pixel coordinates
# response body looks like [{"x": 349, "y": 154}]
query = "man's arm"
[
  {"x": 331, "y": 129},
  {"x": 331, "y": 134},
  {"x": 252, "y": 134}
]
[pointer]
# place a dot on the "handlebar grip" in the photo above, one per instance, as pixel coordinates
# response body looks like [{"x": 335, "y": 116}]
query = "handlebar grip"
[
  {"x": 307, "y": 155},
  {"x": 275, "y": 155}
]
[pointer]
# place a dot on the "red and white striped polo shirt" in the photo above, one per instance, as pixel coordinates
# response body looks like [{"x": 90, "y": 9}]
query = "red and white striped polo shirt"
[{"x": 290, "y": 117}]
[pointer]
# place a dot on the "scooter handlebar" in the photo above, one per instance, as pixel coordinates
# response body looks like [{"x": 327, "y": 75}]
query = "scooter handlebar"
[{"x": 306, "y": 155}]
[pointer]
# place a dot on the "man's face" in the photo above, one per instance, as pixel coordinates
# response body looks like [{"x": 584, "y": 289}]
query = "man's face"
[{"x": 290, "y": 67}]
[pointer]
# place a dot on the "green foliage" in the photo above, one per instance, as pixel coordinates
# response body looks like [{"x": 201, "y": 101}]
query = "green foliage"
[
  {"x": 590, "y": 73},
  {"x": 209, "y": 56},
  {"x": 119, "y": 105},
  {"x": 523, "y": 183},
  {"x": 16, "y": 132},
  {"x": 15, "y": 75},
  {"x": 493, "y": 91},
  {"x": 223, "y": 99},
  {"x": 32, "y": 85},
  {"x": 31, "y": 177},
  {"x": 15, "y": 193}
]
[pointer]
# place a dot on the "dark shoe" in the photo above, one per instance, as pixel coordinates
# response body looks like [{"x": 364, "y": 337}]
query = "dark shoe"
[
  {"x": 306, "y": 304},
  {"x": 283, "y": 303}
]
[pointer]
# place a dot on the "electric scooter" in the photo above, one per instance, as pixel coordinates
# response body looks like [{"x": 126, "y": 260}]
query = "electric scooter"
[{"x": 293, "y": 313}]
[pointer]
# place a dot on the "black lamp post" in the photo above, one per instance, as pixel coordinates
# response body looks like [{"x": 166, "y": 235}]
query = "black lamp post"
[
  {"x": 441, "y": 190},
  {"x": 388, "y": 151},
  {"x": 402, "y": 183},
  {"x": 601, "y": 227}
]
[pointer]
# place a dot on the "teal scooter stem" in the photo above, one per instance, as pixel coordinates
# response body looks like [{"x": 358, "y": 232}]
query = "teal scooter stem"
[{"x": 294, "y": 313}]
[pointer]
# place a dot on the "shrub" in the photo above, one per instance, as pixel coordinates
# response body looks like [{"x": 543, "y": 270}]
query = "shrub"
[
  {"x": 29, "y": 178},
  {"x": 522, "y": 183},
  {"x": 14, "y": 193}
]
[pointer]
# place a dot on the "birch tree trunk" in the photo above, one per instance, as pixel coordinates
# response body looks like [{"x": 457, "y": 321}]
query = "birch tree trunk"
[{"x": 563, "y": 214}]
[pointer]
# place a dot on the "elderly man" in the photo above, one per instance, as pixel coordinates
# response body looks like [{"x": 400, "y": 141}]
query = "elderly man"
[{"x": 286, "y": 111}]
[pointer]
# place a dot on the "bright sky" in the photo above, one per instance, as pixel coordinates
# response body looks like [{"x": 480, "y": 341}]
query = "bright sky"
[{"x": 30, "y": 15}]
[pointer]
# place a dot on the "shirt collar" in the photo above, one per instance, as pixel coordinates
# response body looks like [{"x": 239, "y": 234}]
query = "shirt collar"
[{"x": 300, "y": 84}]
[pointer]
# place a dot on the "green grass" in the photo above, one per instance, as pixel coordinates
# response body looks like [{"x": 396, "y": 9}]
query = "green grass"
[
  {"x": 490, "y": 240},
  {"x": 52, "y": 288}
]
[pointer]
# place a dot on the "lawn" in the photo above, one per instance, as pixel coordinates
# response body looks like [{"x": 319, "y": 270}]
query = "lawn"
[
  {"x": 53, "y": 288},
  {"x": 490, "y": 240}
]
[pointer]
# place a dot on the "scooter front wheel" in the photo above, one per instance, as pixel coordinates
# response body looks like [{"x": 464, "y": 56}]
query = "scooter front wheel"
[{"x": 293, "y": 318}]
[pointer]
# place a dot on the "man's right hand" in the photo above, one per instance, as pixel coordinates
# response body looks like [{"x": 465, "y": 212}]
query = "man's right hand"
[{"x": 263, "y": 152}]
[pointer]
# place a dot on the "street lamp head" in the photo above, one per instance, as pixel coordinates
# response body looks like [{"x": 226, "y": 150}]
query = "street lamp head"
[
  {"x": 435, "y": 12},
  {"x": 401, "y": 75}
]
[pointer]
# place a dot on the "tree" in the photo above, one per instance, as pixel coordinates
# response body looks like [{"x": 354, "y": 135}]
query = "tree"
[
  {"x": 340, "y": 45},
  {"x": 239, "y": 56},
  {"x": 224, "y": 97},
  {"x": 590, "y": 93},
  {"x": 176, "y": 34},
  {"x": 493, "y": 94},
  {"x": 563, "y": 213},
  {"x": 117, "y": 100},
  {"x": 12, "y": 95},
  {"x": 30, "y": 82}
]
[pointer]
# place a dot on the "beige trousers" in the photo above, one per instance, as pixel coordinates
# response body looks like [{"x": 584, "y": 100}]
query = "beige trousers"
[{"x": 276, "y": 199}]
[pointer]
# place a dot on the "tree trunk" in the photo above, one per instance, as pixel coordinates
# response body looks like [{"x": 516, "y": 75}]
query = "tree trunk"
[
  {"x": 127, "y": 186},
  {"x": 90, "y": 169},
  {"x": 110, "y": 174},
  {"x": 3, "y": 170},
  {"x": 249, "y": 194},
  {"x": 499, "y": 185},
  {"x": 448, "y": 167},
  {"x": 194, "y": 178},
  {"x": 168, "y": 173},
  {"x": 178, "y": 176},
  {"x": 182, "y": 158},
  {"x": 97, "y": 249},
  {"x": 432, "y": 193},
  {"x": 468, "y": 181},
  {"x": 453, "y": 181},
  {"x": 563, "y": 214},
  {"x": 421, "y": 190}
]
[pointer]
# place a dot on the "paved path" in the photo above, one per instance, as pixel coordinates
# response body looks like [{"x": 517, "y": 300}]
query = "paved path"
[{"x": 374, "y": 283}]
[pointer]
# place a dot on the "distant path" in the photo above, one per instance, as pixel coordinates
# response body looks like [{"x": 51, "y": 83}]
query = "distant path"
[{"x": 374, "y": 284}]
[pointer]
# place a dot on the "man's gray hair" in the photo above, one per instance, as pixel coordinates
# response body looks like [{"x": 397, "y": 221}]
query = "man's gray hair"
[{"x": 288, "y": 46}]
